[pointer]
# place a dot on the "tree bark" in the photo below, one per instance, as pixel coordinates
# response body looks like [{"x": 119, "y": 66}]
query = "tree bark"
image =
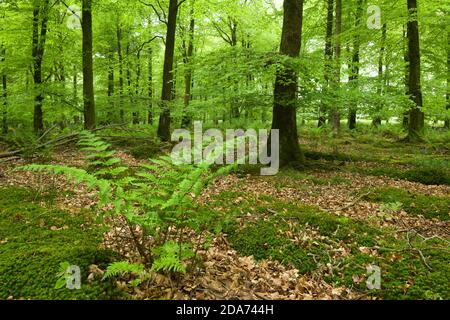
[
  {"x": 188, "y": 53},
  {"x": 4, "y": 93},
  {"x": 335, "y": 114},
  {"x": 136, "y": 114},
  {"x": 41, "y": 8},
  {"x": 167, "y": 85},
  {"x": 354, "y": 68},
  {"x": 328, "y": 60},
  {"x": 416, "y": 116},
  {"x": 377, "y": 118},
  {"x": 150, "y": 87},
  {"x": 120, "y": 57},
  {"x": 88, "y": 72},
  {"x": 447, "y": 118},
  {"x": 286, "y": 83}
]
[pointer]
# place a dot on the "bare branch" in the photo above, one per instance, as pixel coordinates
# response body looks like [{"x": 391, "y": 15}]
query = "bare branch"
[
  {"x": 180, "y": 3},
  {"x": 160, "y": 18}
]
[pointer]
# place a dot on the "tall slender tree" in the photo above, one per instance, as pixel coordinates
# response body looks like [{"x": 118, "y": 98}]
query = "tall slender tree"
[
  {"x": 88, "y": 72},
  {"x": 40, "y": 20},
  {"x": 354, "y": 67},
  {"x": 286, "y": 83},
  {"x": 416, "y": 116},
  {"x": 447, "y": 117},
  {"x": 4, "y": 91},
  {"x": 121, "y": 80},
  {"x": 188, "y": 52},
  {"x": 381, "y": 74},
  {"x": 328, "y": 59},
  {"x": 167, "y": 85},
  {"x": 335, "y": 114},
  {"x": 150, "y": 86}
]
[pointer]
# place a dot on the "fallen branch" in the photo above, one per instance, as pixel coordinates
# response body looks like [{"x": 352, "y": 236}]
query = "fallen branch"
[
  {"x": 356, "y": 201},
  {"x": 418, "y": 251}
]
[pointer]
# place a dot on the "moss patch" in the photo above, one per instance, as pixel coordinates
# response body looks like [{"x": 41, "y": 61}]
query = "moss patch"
[
  {"x": 427, "y": 206},
  {"x": 31, "y": 252}
]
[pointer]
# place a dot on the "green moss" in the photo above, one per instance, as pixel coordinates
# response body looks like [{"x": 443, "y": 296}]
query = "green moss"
[
  {"x": 428, "y": 176},
  {"x": 416, "y": 204},
  {"x": 403, "y": 277},
  {"x": 265, "y": 238},
  {"x": 31, "y": 252}
]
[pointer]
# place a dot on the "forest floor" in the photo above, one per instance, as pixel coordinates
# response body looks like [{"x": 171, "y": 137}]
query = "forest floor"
[{"x": 309, "y": 234}]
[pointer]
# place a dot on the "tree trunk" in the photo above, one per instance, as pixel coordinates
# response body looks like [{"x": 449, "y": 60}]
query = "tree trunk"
[
  {"x": 150, "y": 87},
  {"x": 285, "y": 92},
  {"x": 41, "y": 8},
  {"x": 377, "y": 118},
  {"x": 405, "y": 120},
  {"x": 416, "y": 116},
  {"x": 88, "y": 73},
  {"x": 111, "y": 99},
  {"x": 136, "y": 114},
  {"x": 120, "y": 56},
  {"x": 447, "y": 117},
  {"x": 354, "y": 67},
  {"x": 5, "y": 105},
  {"x": 4, "y": 93},
  {"x": 188, "y": 52},
  {"x": 328, "y": 60},
  {"x": 335, "y": 113},
  {"x": 166, "y": 96}
]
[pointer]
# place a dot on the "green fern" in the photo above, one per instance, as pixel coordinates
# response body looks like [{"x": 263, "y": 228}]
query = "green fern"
[
  {"x": 101, "y": 160},
  {"x": 171, "y": 257},
  {"x": 123, "y": 267},
  {"x": 159, "y": 197}
]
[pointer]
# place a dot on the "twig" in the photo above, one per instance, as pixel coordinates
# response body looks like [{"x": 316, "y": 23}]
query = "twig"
[
  {"x": 46, "y": 133},
  {"x": 418, "y": 251},
  {"x": 357, "y": 200}
]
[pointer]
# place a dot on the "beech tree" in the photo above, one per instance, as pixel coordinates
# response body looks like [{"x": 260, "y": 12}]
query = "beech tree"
[
  {"x": 286, "y": 83},
  {"x": 167, "y": 83},
  {"x": 4, "y": 92},
  {"x": 40, "y": 20},
  {"x": 416, "y": 116},
  {"x": 88, "y": 74},
  {"x": 328, "y": 59}
]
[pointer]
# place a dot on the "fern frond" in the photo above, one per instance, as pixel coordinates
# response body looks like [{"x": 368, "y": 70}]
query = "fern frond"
[{"x": 123, "y": 267}]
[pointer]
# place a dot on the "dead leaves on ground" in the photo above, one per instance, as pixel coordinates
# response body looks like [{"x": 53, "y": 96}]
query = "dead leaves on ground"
[
  {"x": 227, "y": 275},
  {"x": 342, "y": 200}
]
